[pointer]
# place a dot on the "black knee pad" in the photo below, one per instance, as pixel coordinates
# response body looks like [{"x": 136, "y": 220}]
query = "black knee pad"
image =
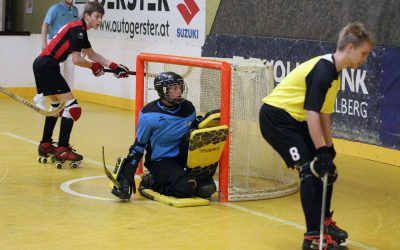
[{"x": 184, "y": 187}]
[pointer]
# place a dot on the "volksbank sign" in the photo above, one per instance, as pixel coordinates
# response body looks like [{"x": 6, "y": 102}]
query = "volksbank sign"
[{"x": 169, "y": 21}]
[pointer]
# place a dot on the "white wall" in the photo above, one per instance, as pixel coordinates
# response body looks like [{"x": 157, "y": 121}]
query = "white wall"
[
  {"x": 16, "y": 57},
  {"x": 17, "y": 54}
]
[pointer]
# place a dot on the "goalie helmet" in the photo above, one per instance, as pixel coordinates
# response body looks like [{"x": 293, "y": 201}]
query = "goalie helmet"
[{"x": 166, "y": 82}]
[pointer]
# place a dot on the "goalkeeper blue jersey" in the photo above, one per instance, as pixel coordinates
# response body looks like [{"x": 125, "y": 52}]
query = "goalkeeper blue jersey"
[{"x": 161, "y": 130}]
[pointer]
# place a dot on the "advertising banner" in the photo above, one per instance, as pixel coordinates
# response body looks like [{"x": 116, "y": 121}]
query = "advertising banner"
[
  {"x": 390, "y": 89},
  {"x": 166, "y": 21},
  {"x": 366, "y": 108}
]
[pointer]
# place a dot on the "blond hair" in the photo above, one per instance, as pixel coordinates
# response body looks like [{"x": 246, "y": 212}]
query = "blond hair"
[{"x": 354, "y": 33}]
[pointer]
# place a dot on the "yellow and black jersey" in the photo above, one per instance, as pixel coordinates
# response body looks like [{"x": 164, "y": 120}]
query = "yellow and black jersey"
[{"x": 313, "y": 85}]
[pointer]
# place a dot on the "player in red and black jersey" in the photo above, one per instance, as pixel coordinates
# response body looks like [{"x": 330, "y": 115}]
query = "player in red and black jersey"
[{"x": 70, "y": 39}]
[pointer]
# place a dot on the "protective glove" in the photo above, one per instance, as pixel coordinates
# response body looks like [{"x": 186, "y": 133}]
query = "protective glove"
[
  {"x": 323, "y": 163},
  {"x": 332, "y": 151},
  {"x": 97, "y": 69},
  {"x": 120, "y": 70}
]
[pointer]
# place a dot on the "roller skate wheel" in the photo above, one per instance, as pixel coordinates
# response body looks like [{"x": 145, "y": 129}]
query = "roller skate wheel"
[
  {"x": 52, "y": 159},
  {"x": 42, "y": 159},
  {"x": 74, "y": 164},
  {"x": 59, "y": 165}
]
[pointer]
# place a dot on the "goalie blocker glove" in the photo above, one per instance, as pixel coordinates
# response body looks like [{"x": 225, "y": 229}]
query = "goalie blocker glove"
[
  {"x": 323, "y": 163},
  {"x": 120, "y": 70},
  {"x": 125, "y": 171}
]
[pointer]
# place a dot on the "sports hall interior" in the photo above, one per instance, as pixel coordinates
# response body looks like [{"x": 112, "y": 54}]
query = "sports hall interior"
[{"x": 43, "y": 207}]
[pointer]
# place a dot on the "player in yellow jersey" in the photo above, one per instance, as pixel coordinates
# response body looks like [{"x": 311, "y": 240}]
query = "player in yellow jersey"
[{"x": 295, "y": 121}]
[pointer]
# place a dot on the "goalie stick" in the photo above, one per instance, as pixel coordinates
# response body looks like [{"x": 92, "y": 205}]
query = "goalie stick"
[
  {"x": 33, "y": 107},
  {"x": 108, "y": 173}
]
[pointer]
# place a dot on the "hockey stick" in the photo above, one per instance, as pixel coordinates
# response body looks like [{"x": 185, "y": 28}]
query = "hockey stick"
[
  {"x": 108, "y": 173},
  {"x": 321, "y": 230},
  {"x": 133, "y": 73},
  {"x": 33, "y": 107}
]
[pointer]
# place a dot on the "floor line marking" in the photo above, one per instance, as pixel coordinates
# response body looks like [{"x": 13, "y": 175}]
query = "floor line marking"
[
  {"x": 288, "y": 223},
  {"x": 65, "y": 186},
  {"x": 228, "y": 204}
]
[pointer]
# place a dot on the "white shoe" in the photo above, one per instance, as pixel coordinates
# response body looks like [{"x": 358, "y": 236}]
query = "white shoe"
[{"x": 39, "y": 101}]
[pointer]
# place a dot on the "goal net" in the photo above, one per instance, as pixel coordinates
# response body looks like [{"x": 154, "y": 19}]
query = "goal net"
[{"x": 249, "y": 168}]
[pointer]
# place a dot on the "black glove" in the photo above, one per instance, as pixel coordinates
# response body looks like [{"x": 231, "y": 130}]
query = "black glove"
[
  {"x": 120, "y": 70},
  {"x": 126, "y": 178},
  {"x": 322, "y": 163},
  {"x": 332, "y": 151},
  {"x": 196, "y": 122}
]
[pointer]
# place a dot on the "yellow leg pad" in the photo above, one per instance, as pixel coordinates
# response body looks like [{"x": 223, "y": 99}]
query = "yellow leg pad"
[
  {"x": 111, "y": 184},
  {"x": 175, "y": 202}
]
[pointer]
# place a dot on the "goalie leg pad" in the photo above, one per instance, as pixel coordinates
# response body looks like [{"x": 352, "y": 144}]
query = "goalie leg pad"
[
  {"x": 175, "y": 202},
  {"x": 72, "y": 110}
]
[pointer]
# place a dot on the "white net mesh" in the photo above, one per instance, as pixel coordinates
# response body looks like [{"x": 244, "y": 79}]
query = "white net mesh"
[{"x": 255, "y": 170}]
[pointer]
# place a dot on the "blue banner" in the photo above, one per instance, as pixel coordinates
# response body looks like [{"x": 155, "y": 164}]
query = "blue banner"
[
  {"x": 365, "y": 106},
  {"x": 390, "y": 89}
]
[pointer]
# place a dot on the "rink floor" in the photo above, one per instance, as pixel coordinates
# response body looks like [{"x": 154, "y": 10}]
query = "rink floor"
[{"x": 47, "y": 208}]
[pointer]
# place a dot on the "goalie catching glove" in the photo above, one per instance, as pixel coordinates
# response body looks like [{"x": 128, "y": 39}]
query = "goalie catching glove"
[
  {"x": 323, "y": 164},
  {"x": 125, "y": 175},
  {"x": 120, "y": 70}
]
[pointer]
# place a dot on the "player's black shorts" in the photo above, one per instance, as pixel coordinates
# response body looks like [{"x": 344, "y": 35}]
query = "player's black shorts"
[
  {"x": 48, "y": 77},
  {"x": 289, "y": 137}
]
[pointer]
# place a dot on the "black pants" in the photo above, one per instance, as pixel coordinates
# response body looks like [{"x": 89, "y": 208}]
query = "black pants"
[{"x": 171, "y": 178}]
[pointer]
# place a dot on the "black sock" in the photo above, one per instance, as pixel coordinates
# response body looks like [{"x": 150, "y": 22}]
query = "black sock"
[
  {"x": 49, "y": 125},
  {"x": 311, "y": 200},
  {"x": 65, "y": 131}
]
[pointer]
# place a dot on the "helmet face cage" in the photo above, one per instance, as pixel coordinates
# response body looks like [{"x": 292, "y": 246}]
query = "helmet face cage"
[
  {"x": 170, "y": 87},
  {"x": 166, "y": 82}
]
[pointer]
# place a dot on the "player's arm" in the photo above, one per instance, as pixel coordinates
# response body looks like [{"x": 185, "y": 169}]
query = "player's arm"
[
  {"x": 121, "y": 71},
  {"x": 95, "y": 57},
  {"x": 45, "y": 32},
  {"x": 78, "y": 60},
  {"x": 317, "y": 84},
  {"x": 326, "y": 128},
  {"x": 315, "y": 128}
]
